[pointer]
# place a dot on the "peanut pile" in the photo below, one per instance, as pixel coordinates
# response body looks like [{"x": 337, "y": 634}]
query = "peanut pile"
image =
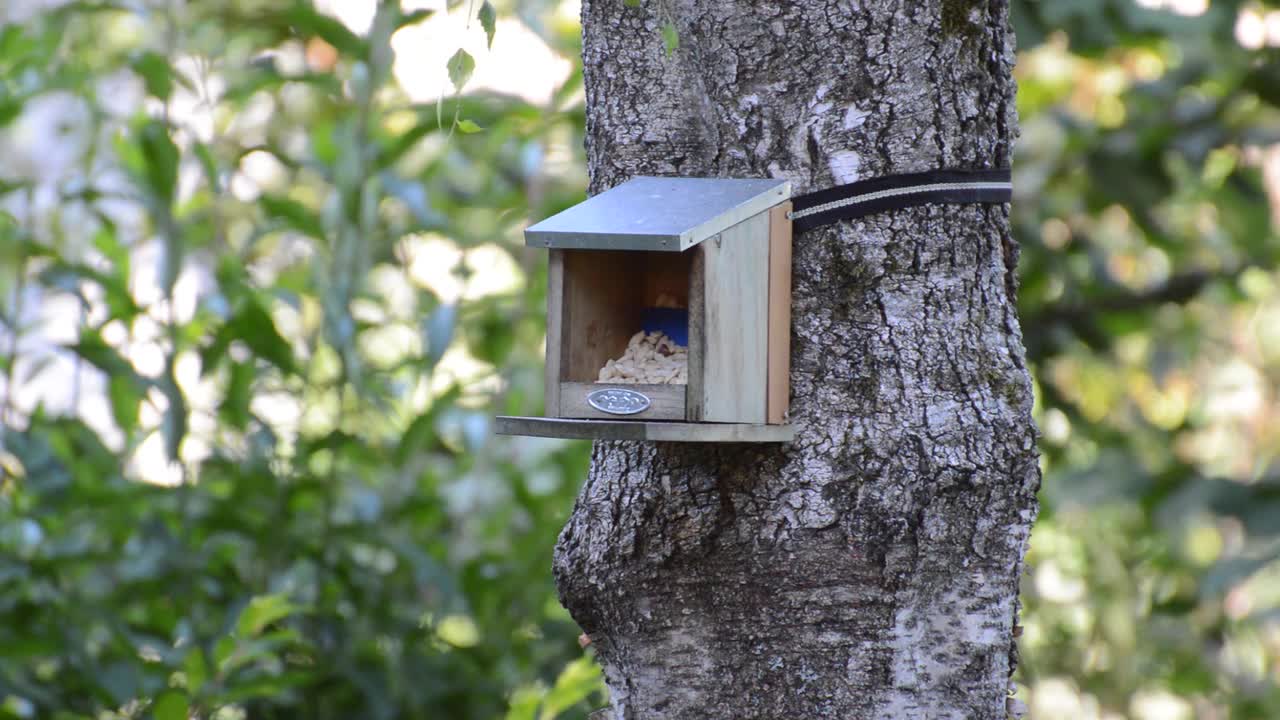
[{"x": 650, "y": 358}]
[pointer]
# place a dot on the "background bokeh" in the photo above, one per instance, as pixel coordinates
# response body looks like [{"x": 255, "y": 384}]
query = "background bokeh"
[{"x": 262, "y": 287}]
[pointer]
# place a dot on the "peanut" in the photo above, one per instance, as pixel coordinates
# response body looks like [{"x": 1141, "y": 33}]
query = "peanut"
[{"x": 650, "y": 358}]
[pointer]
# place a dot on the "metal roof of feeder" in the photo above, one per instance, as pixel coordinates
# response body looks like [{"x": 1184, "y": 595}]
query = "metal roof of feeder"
[{"x": 664, "y": 214}]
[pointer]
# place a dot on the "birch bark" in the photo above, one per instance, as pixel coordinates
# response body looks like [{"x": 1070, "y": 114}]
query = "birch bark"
[{"x": 870, "y": 569}]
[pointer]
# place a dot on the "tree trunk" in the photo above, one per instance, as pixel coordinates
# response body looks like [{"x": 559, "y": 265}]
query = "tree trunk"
[{"x": 870, "y": 569}]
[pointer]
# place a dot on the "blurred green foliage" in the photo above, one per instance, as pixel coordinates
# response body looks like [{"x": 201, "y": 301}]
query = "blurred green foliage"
[
  {"x": 247, "y": 467},
  {"x": 1147, "y": 196},
  {"x": 262, "y": 288}
]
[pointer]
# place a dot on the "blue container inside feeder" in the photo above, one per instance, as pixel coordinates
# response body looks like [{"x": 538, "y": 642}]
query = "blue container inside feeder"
[{"x": 673, "y": 322}]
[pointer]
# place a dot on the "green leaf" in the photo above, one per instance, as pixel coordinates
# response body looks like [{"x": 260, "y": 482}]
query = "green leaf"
[
  {"x": 413, "y": 18},
  {"x": 571, "y": 86},
  {"x": 488, "y": 21},
  {"x": 254, "y": 650},
  {"x": 395, "y": 148},
  {"x": 209, "y": 165},
  {"x": 171, "y": 705},
  {"x": 1232, "y": 571},
  {"x": 156, "y": 74},
  {"x": 261, "y": 612},
  {"x": 175, "y": 246},
  {"x": 577, "y": 681},
  {"x": 196, "y": 669},
  {"x": 439, "y": 330},
  {"x": 239, "y": 394},
  {"x": 161, "y": 155},
  {"x": 9, "y": 109},
  {"x": 253, "y": 326},
  {"x": 14, "y": 43},
  {"x": 460, "y": 66},
  {"x": 293, "y": 213},
  {"x": 420, "y": 436},
  {"x": 174, "y": 424},
  {"x": 670, "y": 38},
  {"x": 469, "y": 127},
  {"x": 125, "y": 399},
  {"x": 98, "y": 353},
  {"x": 66, "y": 276},
  {"x": 524, "y": 703},
  {"x": 304, "y": 20},
  {"x": 491, "y": 336},
  {"x": 107, "y": 243},
  {"x": 223, "y": 649},
  {"x": 268, "y": 686}
]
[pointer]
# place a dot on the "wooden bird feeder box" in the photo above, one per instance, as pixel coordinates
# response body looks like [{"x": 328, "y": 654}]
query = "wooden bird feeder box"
[{"x": 668, "y": 313}]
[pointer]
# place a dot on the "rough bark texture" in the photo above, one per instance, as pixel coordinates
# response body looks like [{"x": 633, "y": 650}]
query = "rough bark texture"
[{"x": 869, "y": 570}]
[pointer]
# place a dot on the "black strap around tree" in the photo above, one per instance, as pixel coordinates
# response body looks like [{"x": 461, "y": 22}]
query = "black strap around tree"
[{"x": 892, "y": 192}]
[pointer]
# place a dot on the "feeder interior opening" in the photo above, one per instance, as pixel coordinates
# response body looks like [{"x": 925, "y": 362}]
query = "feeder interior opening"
[{"x": 626, "y": 317}]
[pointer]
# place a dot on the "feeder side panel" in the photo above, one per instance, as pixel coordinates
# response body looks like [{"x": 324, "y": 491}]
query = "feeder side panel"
[
  {"x": 555, "y": 329},
  {"x": 735, "y": 323},
  {"x": 779, "y": 392}
]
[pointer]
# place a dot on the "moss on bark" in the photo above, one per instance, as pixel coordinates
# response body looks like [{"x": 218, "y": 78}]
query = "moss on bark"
[{"x": 957, "y": 17}]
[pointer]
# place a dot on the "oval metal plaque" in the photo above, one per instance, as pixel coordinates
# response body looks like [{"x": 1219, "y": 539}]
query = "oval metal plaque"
[{"x": 617, "y": 401}]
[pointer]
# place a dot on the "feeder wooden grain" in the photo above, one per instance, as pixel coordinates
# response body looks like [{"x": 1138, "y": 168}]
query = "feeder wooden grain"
[{"x": 720, "y": 248}]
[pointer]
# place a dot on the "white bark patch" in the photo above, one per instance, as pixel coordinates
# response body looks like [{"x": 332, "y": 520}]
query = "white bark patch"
[
  {"x": 844, "y": 166},
  {"x": 813, "y": 123},
  {"x": 807, "y": 509},
  {"x": 854, "y": 117},
  {"x": 925, "y": 646},
  {"x": 777, "y": 172},
  {"x": 917, "y": 660},
  {"x": 818, "y": 108}
]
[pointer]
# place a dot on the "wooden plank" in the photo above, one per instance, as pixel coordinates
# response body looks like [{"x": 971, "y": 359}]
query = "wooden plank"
[
  {"x": 697, "y": 338},
  {"x": 644, "y": 431},
  {"x": 667, "y": 401},
  {"x": 734, "y": 324},
  {"x": 555, "y": 329},
  {"x": 778, "y": 396}
]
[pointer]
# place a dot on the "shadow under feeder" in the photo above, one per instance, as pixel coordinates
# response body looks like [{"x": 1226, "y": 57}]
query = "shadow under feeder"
[{"x": 651, "y": 253}]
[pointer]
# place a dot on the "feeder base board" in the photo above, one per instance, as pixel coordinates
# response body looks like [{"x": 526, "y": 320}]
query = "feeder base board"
[{"x": 642, "y": 430}]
